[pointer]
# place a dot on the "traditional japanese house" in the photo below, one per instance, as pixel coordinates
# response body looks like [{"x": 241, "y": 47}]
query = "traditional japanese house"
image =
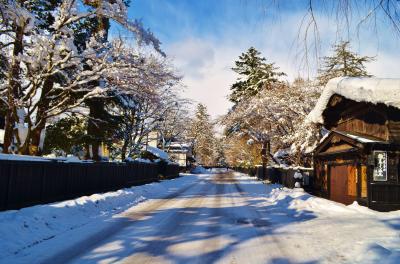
[{"x": 359, "y": 158}]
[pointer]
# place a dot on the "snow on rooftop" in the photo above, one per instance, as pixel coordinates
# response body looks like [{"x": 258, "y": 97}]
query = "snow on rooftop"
[
  {"x": 158, "y": 152},
  {"x": 179, "y": 145},
  {"x": 366, "y": 89},
  {"x": 360, "y": 139}
]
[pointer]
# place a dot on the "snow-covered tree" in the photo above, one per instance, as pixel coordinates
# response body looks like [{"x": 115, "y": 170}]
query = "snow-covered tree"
[
  {"x": 50, "y": 77},
  {"x": 254, "y": 74},
  {"x": 277, "y": 115},
  {"x": 343, "y": 62},
  {"x": 143, "y": 95},
  {"x": 241, "y": 151},
  {"x": 201, "y": 134},
  {"x": 46, "y": 74},
  {"x": 174, "y": 124},
  {"x": 15, "y": 23}
]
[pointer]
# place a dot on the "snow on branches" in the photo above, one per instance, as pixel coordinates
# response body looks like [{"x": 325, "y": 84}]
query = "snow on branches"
[
  {"x": 43, "y": 74},
  {"x": 277, "y": 114}
]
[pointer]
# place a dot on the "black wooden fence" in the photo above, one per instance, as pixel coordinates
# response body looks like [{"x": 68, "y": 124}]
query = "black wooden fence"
[
  {"x": 26, "y": 183},
  {"x": 284, "y": 176}
]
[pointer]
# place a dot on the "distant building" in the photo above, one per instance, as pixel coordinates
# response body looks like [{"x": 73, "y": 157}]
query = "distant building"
[
  {"x": 180, "y": 153},
  {"x": 359, "y": 159}
]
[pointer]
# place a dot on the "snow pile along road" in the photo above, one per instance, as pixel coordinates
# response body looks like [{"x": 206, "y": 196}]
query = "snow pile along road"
[{"x": 331, "y": 232}]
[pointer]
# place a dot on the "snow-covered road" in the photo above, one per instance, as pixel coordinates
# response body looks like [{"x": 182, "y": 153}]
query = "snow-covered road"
[
  {"x": 211, "y": 221},
  {"x": 208, "y": 218}
]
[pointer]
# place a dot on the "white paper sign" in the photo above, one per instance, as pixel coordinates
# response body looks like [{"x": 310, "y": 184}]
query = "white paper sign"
[{"x": 380, "y": 169}]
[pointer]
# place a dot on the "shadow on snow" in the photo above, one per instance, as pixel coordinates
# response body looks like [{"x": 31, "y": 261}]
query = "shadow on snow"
[{"x": 196, "y": 226}]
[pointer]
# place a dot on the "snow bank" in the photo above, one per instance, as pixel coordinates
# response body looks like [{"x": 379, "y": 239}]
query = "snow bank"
[
  {"x": 373, "y": 90},
  {"x": 317, "y": 230},
  {"x": 28, "y": 227},
  {"x": 199, "y": 170}
]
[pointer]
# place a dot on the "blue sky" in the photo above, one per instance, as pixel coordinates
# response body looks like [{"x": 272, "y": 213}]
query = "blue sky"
[{"x": 204, "y": 37}]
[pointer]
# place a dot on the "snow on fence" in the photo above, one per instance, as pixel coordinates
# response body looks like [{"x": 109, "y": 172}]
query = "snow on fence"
[{"x": 24, "y": 183}]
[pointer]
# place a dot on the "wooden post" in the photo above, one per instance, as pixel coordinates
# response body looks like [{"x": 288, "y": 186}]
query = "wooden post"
[{"x": 264, "y": 157}]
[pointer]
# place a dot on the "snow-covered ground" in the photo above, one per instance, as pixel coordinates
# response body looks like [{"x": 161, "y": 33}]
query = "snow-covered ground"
[
  {"x": 327, "y": 231},
  {"x": 220, "y": 218},
  {"x": 23, "y": 232}
]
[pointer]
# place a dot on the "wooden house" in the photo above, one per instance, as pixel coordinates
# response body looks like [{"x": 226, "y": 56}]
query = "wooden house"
[{"x": 359, "y": 158}]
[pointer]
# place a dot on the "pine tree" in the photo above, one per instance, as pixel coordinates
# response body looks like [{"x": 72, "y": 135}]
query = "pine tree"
[
  {"x": 255, "y": 73},
  {"x": 344, "y": 62},
  {"x": 201, "y": 133}
]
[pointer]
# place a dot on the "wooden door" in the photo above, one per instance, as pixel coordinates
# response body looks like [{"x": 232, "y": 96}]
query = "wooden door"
[
  {"x": 343, "y": 183},
  {"x": 364, "y": 182}
]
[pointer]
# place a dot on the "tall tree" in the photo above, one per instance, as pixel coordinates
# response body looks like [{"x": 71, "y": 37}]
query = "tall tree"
[
  {"x": 255, "y": 73},
  {"x": 201, "y": 132},
  {"x": 343, "y": 62},
  {"x": 47, "y": 73}
]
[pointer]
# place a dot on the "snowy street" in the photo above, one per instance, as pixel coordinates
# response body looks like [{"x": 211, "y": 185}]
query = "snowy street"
[
  {"x": 182, "y": 131},
  {"x": 206, "y": 218}
]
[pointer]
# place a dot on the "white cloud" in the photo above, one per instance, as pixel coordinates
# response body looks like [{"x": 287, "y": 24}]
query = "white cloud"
[
  {"x": 385, "y": 66},
  {"x": 206, "y": 70}
]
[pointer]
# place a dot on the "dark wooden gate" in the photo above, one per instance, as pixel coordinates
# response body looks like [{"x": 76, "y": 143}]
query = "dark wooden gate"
[{"x": 343, "y": 183}]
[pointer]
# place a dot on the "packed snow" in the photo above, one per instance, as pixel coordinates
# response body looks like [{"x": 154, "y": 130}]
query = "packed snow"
[
  {"x": 365, "y": 89},
  {"x": 276, "y": 224}
]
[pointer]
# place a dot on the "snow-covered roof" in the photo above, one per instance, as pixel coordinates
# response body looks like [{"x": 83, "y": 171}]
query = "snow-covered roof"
[
  {"x": 359, "y": 138},
  {"x": 365, "y": 89},
  {"x": 179, "y": 145},
  {"x": 158, "y": 152}
]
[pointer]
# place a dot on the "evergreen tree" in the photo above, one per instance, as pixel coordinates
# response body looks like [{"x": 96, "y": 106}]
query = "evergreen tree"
[
  {"x": 344, "y": 62},
  {"x": 255, "y": 73},
  {"x": 67, "y": 135},
  {"x": 201, "y": 132}
]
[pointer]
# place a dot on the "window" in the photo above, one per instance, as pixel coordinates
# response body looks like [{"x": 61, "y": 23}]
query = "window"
[{"x": 380, "y": 168}]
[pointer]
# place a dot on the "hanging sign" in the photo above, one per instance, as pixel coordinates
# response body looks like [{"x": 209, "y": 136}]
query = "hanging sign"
[{"x": 380, "y": 169}]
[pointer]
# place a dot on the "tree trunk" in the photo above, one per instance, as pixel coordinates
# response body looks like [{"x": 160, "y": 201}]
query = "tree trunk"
[
  {"x": 96, "y": 105},
  {"x": 41, "y": 117},
  {"x": 123, "y": 150},
  {"x": 13, "y": 90},
  {"x": 95, "y": 131}
]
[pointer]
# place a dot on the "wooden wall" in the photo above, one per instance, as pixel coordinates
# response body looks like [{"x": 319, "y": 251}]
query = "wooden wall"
[
  {"x": 376, "y": 120},
  {"x": 366, "y": 124}
]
